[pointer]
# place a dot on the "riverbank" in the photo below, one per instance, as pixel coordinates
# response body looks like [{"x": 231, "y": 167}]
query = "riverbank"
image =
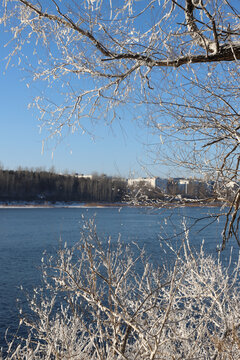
[{"x": 160, "y": 204}]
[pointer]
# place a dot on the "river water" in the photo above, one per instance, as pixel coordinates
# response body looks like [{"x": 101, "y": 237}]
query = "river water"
[{"x": 26, "y": 232}]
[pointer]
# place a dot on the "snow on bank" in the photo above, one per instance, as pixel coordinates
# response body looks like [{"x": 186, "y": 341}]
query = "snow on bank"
[{"x": 35, "y": 205}]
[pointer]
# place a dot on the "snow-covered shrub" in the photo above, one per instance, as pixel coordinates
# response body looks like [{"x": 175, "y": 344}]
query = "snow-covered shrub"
[{"x": 103, "y": 302}]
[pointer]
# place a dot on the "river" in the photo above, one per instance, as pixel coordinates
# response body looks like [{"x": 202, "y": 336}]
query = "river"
[{"x": 27, "y": 232}]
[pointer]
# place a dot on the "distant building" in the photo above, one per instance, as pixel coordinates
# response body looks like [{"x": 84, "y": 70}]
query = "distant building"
[
  {"x": 142, "y": 181},
  {"x": 82, "y": 176},
  {"x": 183, "y": 185},
  {"x": 194, "y": 188},
  {"x": 154, "y": 182}
]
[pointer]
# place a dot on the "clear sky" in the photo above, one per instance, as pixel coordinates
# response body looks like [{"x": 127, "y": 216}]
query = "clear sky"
[
  {"x": 118, "y": 150},
  {"x": 115, "y": 151}
]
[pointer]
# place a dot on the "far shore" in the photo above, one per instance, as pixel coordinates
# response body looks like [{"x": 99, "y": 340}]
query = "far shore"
[{"x": 163, "y": 204}]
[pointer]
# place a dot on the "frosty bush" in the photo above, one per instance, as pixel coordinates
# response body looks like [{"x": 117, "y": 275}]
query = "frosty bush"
[{"x": 103, "y": 302}]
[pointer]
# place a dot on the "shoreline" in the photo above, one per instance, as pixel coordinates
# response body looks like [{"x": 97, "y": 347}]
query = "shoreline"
[{"x": 61, "y": 205}]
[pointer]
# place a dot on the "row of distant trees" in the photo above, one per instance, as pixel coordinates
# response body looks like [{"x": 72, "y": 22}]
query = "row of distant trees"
[
  {"x": 27, "y": 185},
  {"x": 41, "y": 185}
]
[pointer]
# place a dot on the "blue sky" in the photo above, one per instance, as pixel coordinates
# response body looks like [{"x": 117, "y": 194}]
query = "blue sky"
[
  {"x": 115, "y": 151},
  {"x": 112, "y": 152},
  {"x": 118, "y": 150}
]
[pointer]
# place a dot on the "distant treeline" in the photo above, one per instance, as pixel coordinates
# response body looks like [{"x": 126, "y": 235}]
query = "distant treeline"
[{"x": 43, "y": 186}]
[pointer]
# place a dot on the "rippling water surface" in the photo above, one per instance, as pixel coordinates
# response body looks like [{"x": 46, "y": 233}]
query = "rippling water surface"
[{"x": 26, "y": 232}]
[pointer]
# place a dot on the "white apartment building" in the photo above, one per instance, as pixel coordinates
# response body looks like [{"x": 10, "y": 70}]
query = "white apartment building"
[{"x": 154, "y": 182}]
